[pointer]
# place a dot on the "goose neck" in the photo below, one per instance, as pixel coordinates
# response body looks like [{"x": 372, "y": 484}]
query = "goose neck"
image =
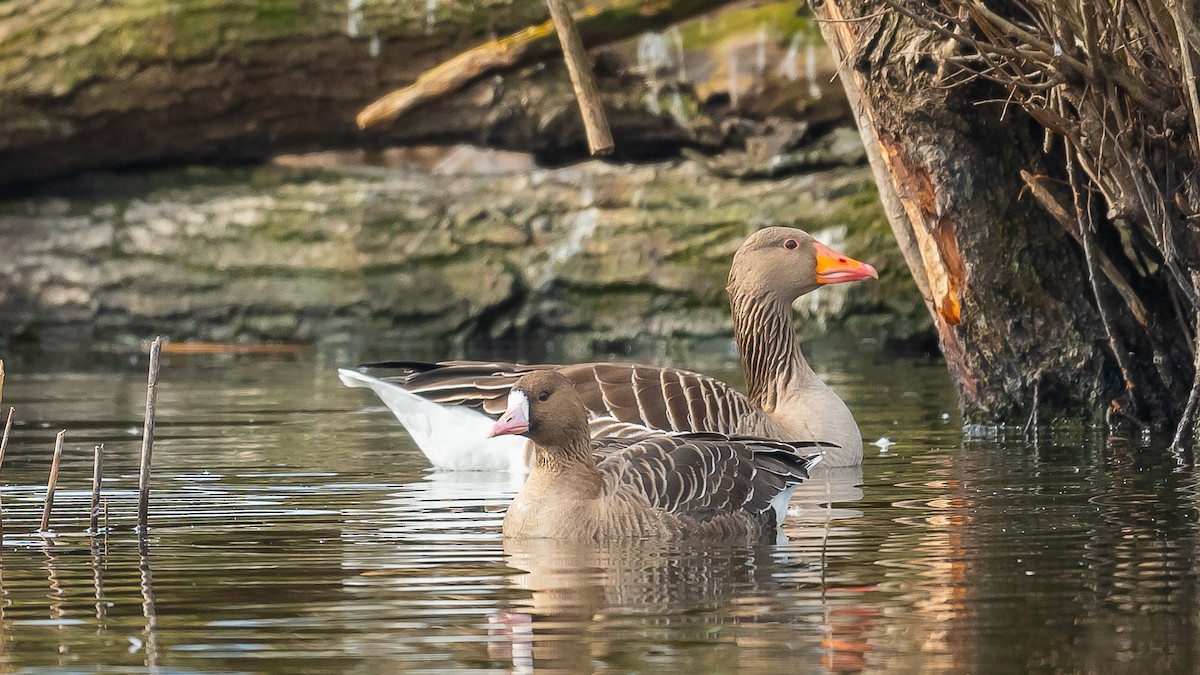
[
  {"x": 569, "y": 465},
  {"x": 768, "y": 347}
]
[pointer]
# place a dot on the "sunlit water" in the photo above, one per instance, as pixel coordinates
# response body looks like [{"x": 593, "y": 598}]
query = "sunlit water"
[{"x": 295, "y": 528}]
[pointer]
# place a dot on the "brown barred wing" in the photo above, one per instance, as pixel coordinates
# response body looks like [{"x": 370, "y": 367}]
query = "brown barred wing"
[
  {"x": 623, "y": 399},
  {"x": 697, "y": 479},
  {"x": 662, "y": 399},
  {"x": 706, "y": 475}
]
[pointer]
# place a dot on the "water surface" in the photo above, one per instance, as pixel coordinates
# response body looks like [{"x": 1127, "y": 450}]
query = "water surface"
[{"x": 294, "y": 527}]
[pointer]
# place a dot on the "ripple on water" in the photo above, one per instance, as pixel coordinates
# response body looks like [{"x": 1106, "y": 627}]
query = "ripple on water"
[{"x": 295, "y": 530}]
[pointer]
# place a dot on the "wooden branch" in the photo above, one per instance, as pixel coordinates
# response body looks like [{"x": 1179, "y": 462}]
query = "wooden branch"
[
  {"x": 597, "y": 25},
  {"x": 599, "y": 138},
  {"x": 456, "y": 73}
]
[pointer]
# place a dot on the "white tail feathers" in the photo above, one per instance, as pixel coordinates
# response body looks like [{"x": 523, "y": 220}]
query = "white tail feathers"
[{"x": 452, "y": 437}]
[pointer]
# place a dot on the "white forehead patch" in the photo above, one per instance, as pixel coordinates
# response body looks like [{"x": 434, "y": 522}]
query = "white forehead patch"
[{"x": 516, "y": 398}]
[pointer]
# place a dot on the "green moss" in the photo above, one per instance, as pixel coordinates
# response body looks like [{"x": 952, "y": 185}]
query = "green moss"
[
  {"x": 781, "y": 19},
  {"x": 57, "y": 45}
]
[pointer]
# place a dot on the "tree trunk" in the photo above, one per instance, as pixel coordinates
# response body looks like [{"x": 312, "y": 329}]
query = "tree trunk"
[{"x": 1024, "y": 320}]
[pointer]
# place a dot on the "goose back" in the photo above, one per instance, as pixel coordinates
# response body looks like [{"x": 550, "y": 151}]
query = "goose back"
[
  {"x": 622, "y": 399},
  {"x": 701, "y": 485}
]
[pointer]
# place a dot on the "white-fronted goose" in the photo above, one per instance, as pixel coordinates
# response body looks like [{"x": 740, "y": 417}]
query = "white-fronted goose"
[
  {"x": 661, "y": 485},
  {"x": 446, "y": 405}
]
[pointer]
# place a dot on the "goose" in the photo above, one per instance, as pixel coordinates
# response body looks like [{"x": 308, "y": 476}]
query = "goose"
[
  {"x": 447, "y": 407},
  {"x": 585, "y": 488}
]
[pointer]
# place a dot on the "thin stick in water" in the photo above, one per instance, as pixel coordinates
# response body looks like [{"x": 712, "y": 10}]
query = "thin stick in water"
[
  {"x": 148, "y": 435},
  {"x": 4, "y": 439},
  {"x": 52, "y": 482},
  {"x": 97, "y": 470}
]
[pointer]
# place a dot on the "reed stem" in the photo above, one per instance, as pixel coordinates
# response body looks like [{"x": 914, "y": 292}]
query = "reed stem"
[
  {"x": 4, "y": 439},
  {"x": 148, "y": 435},
  {"x": 97, "y": 470},
  {"x": 52, "y": 481}
]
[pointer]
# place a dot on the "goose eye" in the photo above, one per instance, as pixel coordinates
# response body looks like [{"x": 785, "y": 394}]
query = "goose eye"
[
  {"x": 543, "y": 395},
  {"x": 791, "y": 244}
]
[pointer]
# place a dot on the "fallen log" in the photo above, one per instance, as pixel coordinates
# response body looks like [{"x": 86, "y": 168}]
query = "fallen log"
[{"x": 96, "y": 84}]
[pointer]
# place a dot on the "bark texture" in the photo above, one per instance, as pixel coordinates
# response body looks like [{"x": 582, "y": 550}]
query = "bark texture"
[
  {"x": 1007, "y": 286},
  {"x": 582, "y": 253}
]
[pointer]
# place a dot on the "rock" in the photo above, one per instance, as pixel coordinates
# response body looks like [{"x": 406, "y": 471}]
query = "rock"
[{"x": 593, "y": 250}]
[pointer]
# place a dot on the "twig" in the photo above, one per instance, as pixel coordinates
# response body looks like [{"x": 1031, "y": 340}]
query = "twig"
[
  {"x": 1031, "y": 425},
  {"x": 148, "y": 435},
  {"x": 1188, "y": 420},
  {"x": 1, "y": 380},
  {"x": 52, "y": 481},
  {"x": 595, "y": 124},
  {"x": 853, "y": 19},
  {"x": 4, "y": 439},
  {"x": 1116, "y": 345},
  {"x": 97, "y": 470}
]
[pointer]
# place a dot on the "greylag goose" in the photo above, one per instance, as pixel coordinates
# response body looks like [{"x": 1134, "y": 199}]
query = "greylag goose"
[
  {"x": 447, "y": 407},
  {"x": 659, "y": 486}
]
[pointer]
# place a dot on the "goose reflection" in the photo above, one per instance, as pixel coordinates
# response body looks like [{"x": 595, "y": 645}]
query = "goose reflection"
[
  {"x": 732, "y": 605},
  {"x": 646, "y": 586}
]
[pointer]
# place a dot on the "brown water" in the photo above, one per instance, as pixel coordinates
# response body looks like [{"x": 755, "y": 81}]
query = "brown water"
[{"x": 295, "y": 528}]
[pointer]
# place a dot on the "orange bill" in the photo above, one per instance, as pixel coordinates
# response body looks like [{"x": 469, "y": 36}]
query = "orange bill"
[{"x": 838, "y": 268}]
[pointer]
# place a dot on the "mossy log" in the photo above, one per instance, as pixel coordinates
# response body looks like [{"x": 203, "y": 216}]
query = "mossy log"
[
  {"x": 91, "y": 84},
  {"x": 276, "y": 254}
]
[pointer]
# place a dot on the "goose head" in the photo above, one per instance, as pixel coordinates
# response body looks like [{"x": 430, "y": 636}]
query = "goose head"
[
  {"x": 544, "y": 407},
  {"x": 784, "y": 263}
]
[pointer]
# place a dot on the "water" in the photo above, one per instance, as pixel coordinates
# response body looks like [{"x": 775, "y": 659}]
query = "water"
[{"x": 294, "y": 528}]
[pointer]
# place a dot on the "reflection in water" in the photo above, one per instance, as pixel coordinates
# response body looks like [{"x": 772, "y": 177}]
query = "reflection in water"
[
  {"x": 716, "y": 593},
  {"x": 292, "y": 530},
  {"x": 57, "y": 596},
  {"x": 1105, "y": 532},
  {"x": 146, "y": 585},
  {"x": 676, "y": 606},
  {"x": 98, "y": 582}
]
